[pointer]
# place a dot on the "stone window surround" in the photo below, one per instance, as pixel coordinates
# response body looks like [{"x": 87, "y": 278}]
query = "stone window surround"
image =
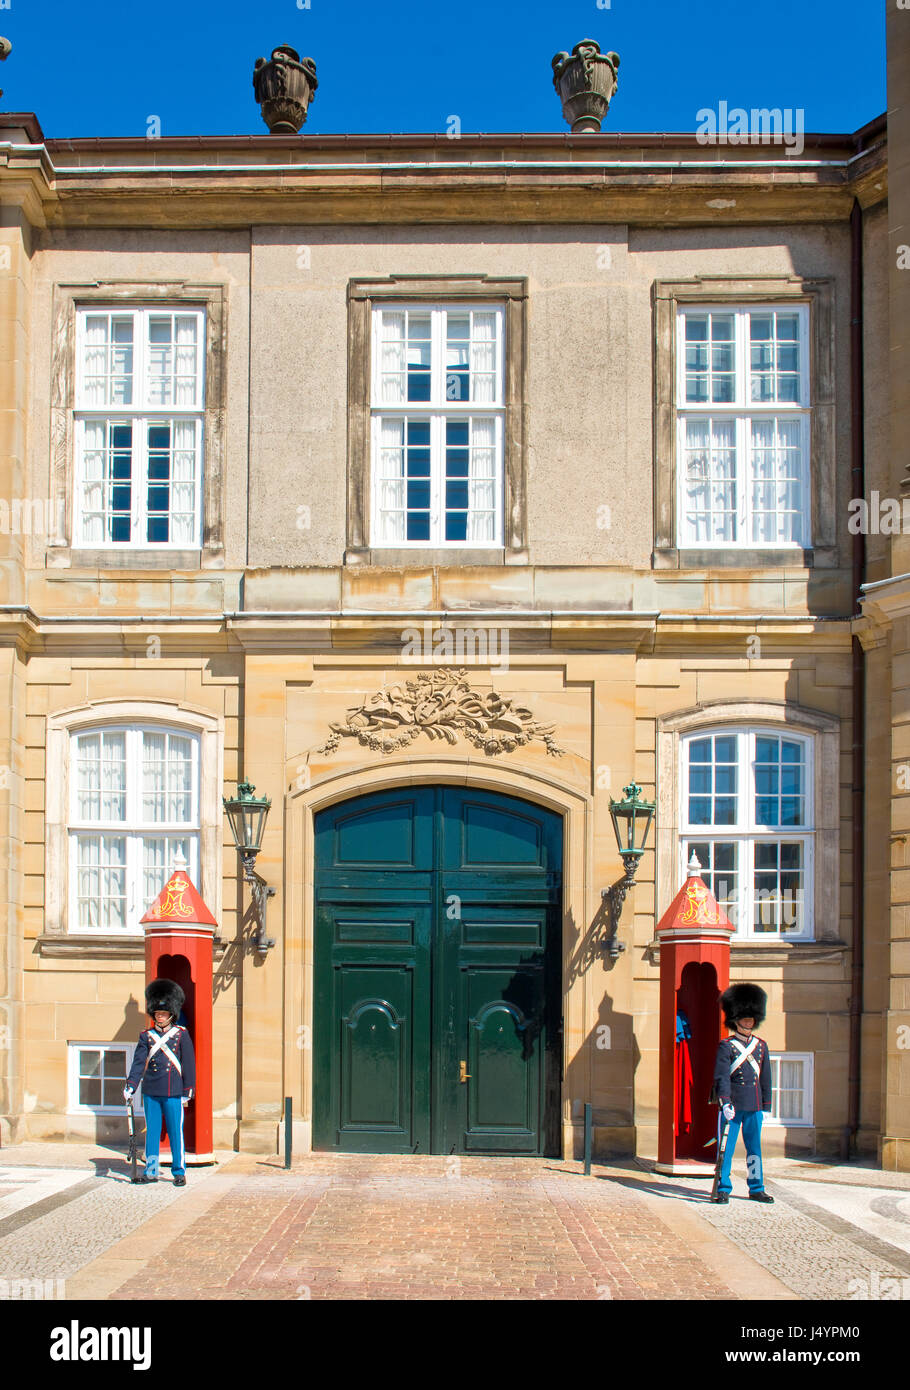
[
  {"x": 735, "y": 290},
  {"x": 57, "y": 939},
  {"x": 134, "y": 294},
  {"x": 777, "y": 715},
  {"x": 362, "y": 295}
]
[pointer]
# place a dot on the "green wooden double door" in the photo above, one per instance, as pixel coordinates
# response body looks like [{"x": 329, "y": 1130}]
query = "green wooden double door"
[{"x": 437, "y": 1016}]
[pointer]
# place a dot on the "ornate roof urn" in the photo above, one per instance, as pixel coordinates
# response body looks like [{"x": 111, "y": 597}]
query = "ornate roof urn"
[
  {"x": 284, "y": 88},
  {"x": 586, "y": 81},
  {"x": 6, "y": 49}
]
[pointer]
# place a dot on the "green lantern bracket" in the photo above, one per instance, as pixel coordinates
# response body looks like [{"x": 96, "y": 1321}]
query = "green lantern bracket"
[
  {"x": 632, "y": 817},
  {"x": 247, "y": 815}
]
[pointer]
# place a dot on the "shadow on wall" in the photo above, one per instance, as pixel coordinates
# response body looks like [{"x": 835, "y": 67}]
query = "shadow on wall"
[{"x": 610, "y": 1049}]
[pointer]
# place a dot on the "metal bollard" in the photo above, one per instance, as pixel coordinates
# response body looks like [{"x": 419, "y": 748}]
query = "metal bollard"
[
  {"x": 288, "y": 1132},
  {"x": 589, "y": 1134}
]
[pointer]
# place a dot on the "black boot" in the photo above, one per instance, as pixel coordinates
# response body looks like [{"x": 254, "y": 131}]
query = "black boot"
[{"x": 760, "y": 1197}]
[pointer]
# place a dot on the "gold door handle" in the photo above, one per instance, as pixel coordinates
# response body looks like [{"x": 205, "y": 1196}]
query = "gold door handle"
[{"x": 463, "y": 1073}]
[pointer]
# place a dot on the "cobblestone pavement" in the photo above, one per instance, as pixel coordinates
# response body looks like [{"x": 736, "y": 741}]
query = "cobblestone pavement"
[
  {"x": 347, "y": 1226},
  {"x": 834, "y": 1239},
  {"x": 368, "y": 1227}
]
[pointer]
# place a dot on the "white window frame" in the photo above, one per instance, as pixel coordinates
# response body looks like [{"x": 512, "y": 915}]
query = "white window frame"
[
  {"x": 131, "y": 828},
  {"x": 140, "y": 413},
  {"x": 747, "y": 832},
  {"x": 743, "y": 411},
  {"x": 74, "y": 1106},
  {"x": 437, "y": 410},
  {"x": 808, "y": 1060}
]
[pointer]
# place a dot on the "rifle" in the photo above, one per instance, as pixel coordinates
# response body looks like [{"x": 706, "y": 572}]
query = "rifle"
[
  {"x": 132, "y": 1155},
  {"x": 721, "y": 1149}
]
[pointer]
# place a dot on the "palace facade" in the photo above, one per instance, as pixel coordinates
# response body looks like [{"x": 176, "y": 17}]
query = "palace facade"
[{"x": 442, "y": 488}]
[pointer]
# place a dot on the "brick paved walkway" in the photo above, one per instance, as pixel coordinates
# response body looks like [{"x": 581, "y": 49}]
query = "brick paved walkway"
[{"x": 340, "y": 1227}]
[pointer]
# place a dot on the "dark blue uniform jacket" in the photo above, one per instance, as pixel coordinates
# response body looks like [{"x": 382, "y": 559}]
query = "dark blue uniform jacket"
[
  {"x": 161, "y": 1077},
  {"x": 744, "y": 1089}
]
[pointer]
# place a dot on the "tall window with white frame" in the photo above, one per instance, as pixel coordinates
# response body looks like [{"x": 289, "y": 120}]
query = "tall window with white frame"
[
  {"x": 139, "y": 427},
  {"x": 743, "y": 426},
  {"x": 747, "y": 813},
  {"x": 437, "y": 406},
  {"x": 134, "y": 818}
]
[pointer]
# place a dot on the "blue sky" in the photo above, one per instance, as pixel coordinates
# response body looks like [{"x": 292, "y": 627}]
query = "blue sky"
[{"x": 103, "y": 67}]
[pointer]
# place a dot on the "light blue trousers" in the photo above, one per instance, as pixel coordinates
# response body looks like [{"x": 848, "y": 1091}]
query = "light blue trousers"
[
  {"x": 750, "y": 1123},
  {"x": 170, "y": 1108}
]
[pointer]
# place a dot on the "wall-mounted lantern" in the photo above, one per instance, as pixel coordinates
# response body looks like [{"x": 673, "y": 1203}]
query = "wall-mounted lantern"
[
  {"x": 632, "y": 817},
  {"x": 247, "y": 814}
]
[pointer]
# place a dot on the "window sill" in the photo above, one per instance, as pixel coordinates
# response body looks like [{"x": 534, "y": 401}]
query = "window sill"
[
  {"x": 134, "y": 558},
  {"x": 774, "y": 952},
  {"x": 104, "y": 947},
  {"x": 101, "y": 947},
  {"x": 429, "y": 557},
  {"x": 751, "y": 558}
]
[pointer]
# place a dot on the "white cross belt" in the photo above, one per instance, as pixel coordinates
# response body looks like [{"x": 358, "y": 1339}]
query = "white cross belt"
[
  {"x": 744, "y": 1054},
  {"x": 160, "y": 1045}
]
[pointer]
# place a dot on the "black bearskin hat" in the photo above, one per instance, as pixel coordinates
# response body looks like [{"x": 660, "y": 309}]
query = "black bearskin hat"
[
  {"x": 743, "y": 1001},
  {"x": 164, "y": 994}
]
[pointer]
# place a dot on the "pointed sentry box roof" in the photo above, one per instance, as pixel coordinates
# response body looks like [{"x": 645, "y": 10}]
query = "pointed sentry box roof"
[
  {"x": 694, "y": 905},
  {"x": 178, "y": 902}
]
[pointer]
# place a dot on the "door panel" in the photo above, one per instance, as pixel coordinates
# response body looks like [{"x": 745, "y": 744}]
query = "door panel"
[
  {"x": 377, "y": 1007},
  {"x": 437, "y": 958},
  {"x": 372, "y": 1028}
]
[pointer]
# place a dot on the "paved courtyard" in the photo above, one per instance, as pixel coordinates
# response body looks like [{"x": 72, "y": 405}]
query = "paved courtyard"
[{"x": 367, "y": 1227}]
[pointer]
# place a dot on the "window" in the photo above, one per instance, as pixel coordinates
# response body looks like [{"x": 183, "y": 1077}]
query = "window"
[
  {"x": 437, "y": 425},
  {"x": 134, "y": 819},
  {"x": 139, "y": 412},
  {"x": 791, "y": 1088},
  {"x": 97, "y": 1076},
  {"x": 747, "y": 813},
  {"x": 743, "y": 426}
]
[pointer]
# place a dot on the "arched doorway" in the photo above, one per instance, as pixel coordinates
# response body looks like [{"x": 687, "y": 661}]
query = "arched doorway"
[{"x": 437, "y": 989}]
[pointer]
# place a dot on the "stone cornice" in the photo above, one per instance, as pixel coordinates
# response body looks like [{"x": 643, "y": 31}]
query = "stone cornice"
[
  {"x": 243, "y": 181},
  {"x": 719, "y": 637},
  {"x": 882, "y": 603}
]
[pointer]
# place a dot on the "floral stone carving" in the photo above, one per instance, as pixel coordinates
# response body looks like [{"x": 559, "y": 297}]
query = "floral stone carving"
[{"x": 441, "y": 705}]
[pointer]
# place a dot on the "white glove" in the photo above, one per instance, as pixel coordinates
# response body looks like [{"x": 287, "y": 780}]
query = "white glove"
[
  {"x": 729, "y": 1111},
  {"x": 127, "y": 1093}
]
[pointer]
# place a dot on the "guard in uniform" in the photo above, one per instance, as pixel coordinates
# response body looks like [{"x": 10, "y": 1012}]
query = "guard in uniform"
[
  {"x": 165, "y": 1063},
  {"x": 742, "y": 1079}
]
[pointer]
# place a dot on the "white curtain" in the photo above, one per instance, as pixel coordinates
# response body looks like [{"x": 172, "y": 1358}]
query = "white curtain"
[
  {"x": 184, "y": 453},
  {"x": 710, "y": 480},
  {"x": 482, "y": 481},
  {"x": 161, "y": 855},
  {"x": 107, "y": 361},
  {"x": 390, "y": 481},
  {"x": 392, "y": 357},
  {"x": 187, "y": 361},
  {"x": 101, "y": 777},
  {"x": 154, "y": 777},
  {"x": 101, "y": 880},
  {"x": 94, "y": 363},
  {"x": 777, "y": 502},
  {"x": 483, "y": 357},
  {"x": 94, "y": 490},
  {"x": 790, "y": 1090}
]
